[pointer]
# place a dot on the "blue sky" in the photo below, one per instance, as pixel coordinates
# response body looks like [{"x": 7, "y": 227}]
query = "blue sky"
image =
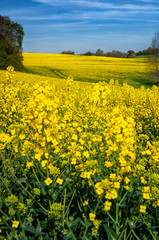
[{"x": 52, "y": 26}]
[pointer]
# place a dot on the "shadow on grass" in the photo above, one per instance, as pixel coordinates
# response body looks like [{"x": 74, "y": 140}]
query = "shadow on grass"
[
  {"x": 136, "y": 80},
  {"x": 45, "y": 71}
]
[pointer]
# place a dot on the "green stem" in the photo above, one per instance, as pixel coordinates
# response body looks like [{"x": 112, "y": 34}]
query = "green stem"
[
  {"x": 3, "y": 213},
  {"x": 148, "y": 229},
  {"x": 40, "y": 171},
  {"x": 5, "y": 162},
  {"x": 124, "y": 230},
  {"x": 72, "y": 233},
  {"x": 131, "y": 237},
  {"x": 5, "y": 183},
  {"x": 79, "y": 206},
  {"x": 117, "y": 218},
  {"x": 125, "y": 234},
  {"x": 55, "y": 238},
  {"x": 69, "y": 203},
  {"x": 128, "y": 235},
  {"x": 152, "y": 234},
  {"x": 65, "y": 192},
  {"x": 85, "y": 232},
  {"x": 135, "y": 234},
  {"x": 36, "y": 176},
  {"x": 123, "y": 198},
  {"x": 47, "y": 169},
  {"x": 19, "y": 218},
  {"x": 111, "y": 217},
  {"x": 99, "y": 200}
]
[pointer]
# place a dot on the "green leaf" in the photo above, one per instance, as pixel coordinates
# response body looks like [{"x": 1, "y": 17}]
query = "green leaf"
[
  {"x": 67, "y": 236},
  {"x": 68, "y": 195},
  {"x": 33, "y": 230},
  {"x": 74, "y": 222},
  {"x": 22, "y": 180},
  {"x": 98, "y": 178},
  {"x": 110, "y": 233}
]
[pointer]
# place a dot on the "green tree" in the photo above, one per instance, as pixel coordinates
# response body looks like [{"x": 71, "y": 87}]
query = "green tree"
[
  {"x": 68, "y": 52},
  {"x": 11, "y": 37},
  {"x": 88, "y": 54},
  {"x": 131, "y": 54},
  {"x": 154, "y": 58},
  {"x": 99, "y": 52}
]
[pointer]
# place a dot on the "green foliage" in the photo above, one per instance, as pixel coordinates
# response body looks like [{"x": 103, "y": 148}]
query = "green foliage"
[
  {"x": 88, "y": 54},
  {"x": 68, "y": 52},
  {"x": 11, "y": 37},
  {"x": 131, "y": 54},
  {"x": 99, "y": 52}
]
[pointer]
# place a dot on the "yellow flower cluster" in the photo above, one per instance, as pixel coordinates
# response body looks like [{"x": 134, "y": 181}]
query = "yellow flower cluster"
[
  {"x": 102, "y": 137},
  {"x": 56, "y": 210}
]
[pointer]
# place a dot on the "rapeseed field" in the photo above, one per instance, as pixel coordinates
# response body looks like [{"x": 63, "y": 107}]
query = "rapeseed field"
[
  {"x": 79, "y": 160},
  {"x": 89, "y": 68}
]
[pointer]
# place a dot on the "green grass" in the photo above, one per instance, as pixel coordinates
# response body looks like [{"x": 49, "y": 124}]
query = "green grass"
[
  {"x": 45, "y": 71},
  {"x": 137, "y": 80}
]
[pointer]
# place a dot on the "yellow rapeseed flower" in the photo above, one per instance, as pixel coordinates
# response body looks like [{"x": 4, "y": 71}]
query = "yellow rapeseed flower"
[
  {"x": 92, "y": 216},
  {"x": 146, "y": 195},
  {"x": 44, "y": 163},
  {"x": 143, "y": 180},
  {"x": 48, "y": 181},
  {"x": 15, "y": 224},
  {"x": 85, "y": 203},
  {"x": 73, "y": 161},
  {"x": 142, "y": 209},
  {"x": 116, "y": 184},
  {"x": 107, "y": 205},
  {"x": 29, "y": 164},
  {"x": 96, "y": 223},
  {"x": 126, "y": 180},
  {"x": 59, "y": 181},
  {"x": 108, "y": 164},
  {"x": 112, "y": 176},
  {"x": 86, "y": 154}
]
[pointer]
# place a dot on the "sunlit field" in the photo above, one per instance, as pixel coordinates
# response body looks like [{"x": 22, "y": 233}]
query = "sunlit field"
[
  {"x": 89, "y": 68},
  {"x": 79, "y": 151}
]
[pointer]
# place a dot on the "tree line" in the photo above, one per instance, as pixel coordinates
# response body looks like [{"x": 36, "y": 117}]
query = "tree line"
[{"x": 129, "y": 54}]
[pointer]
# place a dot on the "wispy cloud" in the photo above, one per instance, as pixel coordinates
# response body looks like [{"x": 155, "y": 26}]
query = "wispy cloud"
[
  {"x": 147, "y": 1},
  {"x": 101, "y": 5},
  {"x": 116, "y": 15}
]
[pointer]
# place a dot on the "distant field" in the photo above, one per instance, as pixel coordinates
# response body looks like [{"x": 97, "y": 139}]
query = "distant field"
[{"x": 88, "y": 68}]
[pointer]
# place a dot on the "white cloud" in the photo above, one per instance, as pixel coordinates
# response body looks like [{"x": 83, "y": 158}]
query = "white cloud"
[
  {"x": 147, "y": 1},
  {"x": 80, "y": 15},
  {"x": 101, "y": 5}
]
